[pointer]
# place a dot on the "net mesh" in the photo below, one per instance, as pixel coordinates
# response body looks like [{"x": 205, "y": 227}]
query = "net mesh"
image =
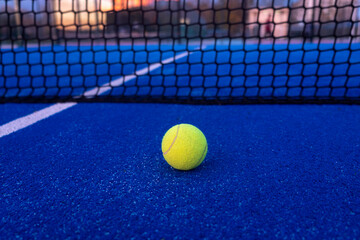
[{"x": 195, "y": 51}]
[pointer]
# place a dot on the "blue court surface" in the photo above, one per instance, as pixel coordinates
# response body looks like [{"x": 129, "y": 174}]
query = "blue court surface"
[{"x": 97, "y": 171}]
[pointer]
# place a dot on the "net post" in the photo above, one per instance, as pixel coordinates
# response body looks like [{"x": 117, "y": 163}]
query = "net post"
[
  {"x": 97, "y": 10},
  {"x": 52, "y": 21},
  {"x": 179, "y": 22},
  {"x": 18, "y": 23},
  {"x": 78, "y": 25}
]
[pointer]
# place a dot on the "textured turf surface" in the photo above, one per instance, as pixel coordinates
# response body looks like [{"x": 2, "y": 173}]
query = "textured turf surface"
[{"x": 96, "y": 170}]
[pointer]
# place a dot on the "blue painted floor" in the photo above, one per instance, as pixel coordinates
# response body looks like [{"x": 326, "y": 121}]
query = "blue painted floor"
[{"x": 96, "y": 171}]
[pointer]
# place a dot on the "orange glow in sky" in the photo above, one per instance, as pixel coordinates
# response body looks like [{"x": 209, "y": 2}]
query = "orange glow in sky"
[{"x": 123, "y": 4}]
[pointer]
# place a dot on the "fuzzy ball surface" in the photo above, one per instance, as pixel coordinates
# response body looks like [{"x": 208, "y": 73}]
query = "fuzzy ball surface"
[{"x": 184, "y": 147}]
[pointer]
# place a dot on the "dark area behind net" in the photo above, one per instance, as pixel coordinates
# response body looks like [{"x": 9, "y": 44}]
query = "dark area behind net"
[{"x": 194, "y": 51}]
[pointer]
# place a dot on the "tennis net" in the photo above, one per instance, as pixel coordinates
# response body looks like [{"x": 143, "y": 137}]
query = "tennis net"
[{"x": 192, "y": 51}]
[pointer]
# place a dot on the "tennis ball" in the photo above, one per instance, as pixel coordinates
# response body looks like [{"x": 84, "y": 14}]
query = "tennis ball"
[{"x": 184, "y": 147}]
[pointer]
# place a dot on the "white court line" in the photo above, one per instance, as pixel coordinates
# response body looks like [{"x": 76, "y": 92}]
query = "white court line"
[
  {"x": 30, "y": 119},
  {"x": 37, "y": 116}
]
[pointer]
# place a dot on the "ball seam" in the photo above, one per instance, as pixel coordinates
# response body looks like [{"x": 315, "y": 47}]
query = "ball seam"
[{"x": 177, "y": 132}]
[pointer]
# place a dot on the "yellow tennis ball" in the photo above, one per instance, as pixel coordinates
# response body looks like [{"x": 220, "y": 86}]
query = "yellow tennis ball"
[{"x": 184, "y": 147}]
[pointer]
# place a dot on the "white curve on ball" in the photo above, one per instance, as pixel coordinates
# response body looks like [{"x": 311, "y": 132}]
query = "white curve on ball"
[{"x": 177, "y": 132}]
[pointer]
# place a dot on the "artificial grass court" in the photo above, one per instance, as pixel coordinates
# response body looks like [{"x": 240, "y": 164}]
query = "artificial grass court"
[{"x": 97, "y": 171}]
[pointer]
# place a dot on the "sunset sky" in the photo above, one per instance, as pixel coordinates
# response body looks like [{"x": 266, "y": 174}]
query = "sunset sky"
[
  {"x": 67, "y": 7},
  {"x": 122, "y": 4}
]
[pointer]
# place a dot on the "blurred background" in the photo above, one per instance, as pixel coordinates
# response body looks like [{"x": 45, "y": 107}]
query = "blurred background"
[{"x": 62, "y": 20}]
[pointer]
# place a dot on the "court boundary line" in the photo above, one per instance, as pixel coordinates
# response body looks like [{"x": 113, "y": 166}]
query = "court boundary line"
[{"x": 30, "y": 119}]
